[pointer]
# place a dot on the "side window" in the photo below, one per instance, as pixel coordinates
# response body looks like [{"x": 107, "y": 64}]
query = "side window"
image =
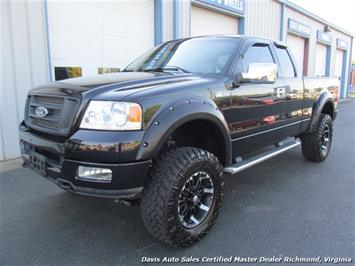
[
  {"x": 256, "y": 54},
  {"x": 287, "y": 70}
]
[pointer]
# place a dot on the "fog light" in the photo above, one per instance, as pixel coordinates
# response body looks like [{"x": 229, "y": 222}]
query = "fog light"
[{"x": 94, "y": 174}]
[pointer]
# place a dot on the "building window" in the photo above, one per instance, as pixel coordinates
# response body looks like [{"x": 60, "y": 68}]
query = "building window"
[
  {"x": 67, "y": 72},
  {"x": 105, "y": 70}
]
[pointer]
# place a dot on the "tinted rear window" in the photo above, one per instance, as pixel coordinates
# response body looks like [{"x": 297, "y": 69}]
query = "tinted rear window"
[
  {"x": 256, "y": 54},
  {"x": 287, "y": 70}
]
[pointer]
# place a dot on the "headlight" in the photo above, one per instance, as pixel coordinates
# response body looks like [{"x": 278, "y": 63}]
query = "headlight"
[{"x": 106, "y": 115}]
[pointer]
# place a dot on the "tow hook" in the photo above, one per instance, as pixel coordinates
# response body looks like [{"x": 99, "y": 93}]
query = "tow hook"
[
  {"x": 64, "y": 184},
  {"x": 132, "y": 202}
]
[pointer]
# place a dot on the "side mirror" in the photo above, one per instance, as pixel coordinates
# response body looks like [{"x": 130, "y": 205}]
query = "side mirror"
[{"x": 257, "y": 73}]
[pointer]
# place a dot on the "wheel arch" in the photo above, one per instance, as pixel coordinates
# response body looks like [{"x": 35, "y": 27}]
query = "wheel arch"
[
  {"x": 323, "y": 105},
  {"x": 182, "y": 114}
]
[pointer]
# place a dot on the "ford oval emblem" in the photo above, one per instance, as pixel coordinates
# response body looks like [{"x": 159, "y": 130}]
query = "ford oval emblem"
[{"x": 41, "y": 111}]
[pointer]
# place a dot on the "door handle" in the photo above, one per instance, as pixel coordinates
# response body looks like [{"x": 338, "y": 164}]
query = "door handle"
[{"x": 280, "y": 92}]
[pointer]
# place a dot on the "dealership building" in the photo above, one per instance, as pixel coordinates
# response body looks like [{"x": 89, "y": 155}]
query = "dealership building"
[{"x": 51, "y": 40}]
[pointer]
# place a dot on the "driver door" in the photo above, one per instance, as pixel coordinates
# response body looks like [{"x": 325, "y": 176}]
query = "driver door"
[{"x": 257, "y": 109}]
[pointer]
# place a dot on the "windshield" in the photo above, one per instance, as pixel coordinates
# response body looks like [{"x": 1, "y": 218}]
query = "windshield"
[{"x": 200, "y": 55}]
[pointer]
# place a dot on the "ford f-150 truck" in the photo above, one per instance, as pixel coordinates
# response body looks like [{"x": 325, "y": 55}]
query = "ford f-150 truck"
[{"x": 163, "y": 131}]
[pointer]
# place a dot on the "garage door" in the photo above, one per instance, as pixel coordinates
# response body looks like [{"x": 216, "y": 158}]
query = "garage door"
[
  {"x": 321, "y": 59},
  {"x": 205, "y": 22},
  {"x": 297, "y": 44},
  {"x": 97, "y": 34},
  {"x": 338, "y": 63}
]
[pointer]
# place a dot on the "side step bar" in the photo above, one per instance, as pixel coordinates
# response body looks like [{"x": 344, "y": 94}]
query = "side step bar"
[{"x": 244, "y": 164}]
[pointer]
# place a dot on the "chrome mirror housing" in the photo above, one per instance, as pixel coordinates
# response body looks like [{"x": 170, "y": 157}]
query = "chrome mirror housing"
[{"x": 260, "y": 73}]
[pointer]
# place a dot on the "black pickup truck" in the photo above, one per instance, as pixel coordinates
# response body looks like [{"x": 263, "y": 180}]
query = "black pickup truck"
[{"x": 163, "y": 131}]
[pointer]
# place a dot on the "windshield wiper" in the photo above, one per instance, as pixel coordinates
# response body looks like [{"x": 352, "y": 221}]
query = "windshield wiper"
[
  {"x": 166, "y": 68},
  {"x": 153, "y": 70},
  {"x": 175, "y": 68}
]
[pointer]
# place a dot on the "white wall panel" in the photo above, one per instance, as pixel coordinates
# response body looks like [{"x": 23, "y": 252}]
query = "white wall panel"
[
  {"x": 320, "y": 60},
  {"x": 37, "y": 42},
  {"x": 263, "y": 18},
  {"x": 21, "y": 57},
  {"x": 23, "y": 65},
  {"x": 4, "y": 31},
  {"x": 8, "y": 94},
  {"x": 204, "y": 22},
  {"x": 2, "y": 151},
  {"x": 296, "y": 44},
  {"x": 312, "y": 39},
  {"x": 100, "y": 34},
  {"x": 167, "y": 20},
  {"x": 186, "y": 8},
  {"x": 338, "y": 63}
]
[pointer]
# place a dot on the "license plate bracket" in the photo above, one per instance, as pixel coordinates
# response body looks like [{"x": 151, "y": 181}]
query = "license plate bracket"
[{"x": 38, "y": 163}]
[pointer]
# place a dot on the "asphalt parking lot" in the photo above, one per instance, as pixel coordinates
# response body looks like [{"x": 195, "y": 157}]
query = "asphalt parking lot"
[{"x": 283, "y": 207}]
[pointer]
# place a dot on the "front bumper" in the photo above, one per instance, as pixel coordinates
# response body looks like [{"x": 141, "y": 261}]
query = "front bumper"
[{"x": 128, "y": 178}]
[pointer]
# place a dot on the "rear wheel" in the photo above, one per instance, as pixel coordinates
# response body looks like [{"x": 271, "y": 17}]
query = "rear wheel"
[
  {"x": 181, "y": 200},
  {"x": 316, "y": 145}
]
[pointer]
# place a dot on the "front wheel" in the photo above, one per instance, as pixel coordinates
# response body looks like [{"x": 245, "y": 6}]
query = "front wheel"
[
  {"x": 181, "y": 200},
  {"x": 316, "y": 145}
]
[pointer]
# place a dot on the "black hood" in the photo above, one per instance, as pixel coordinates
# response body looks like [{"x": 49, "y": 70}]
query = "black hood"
[
  {"x": 105, "y": 79},
  {"x": 113, "y": 86}
]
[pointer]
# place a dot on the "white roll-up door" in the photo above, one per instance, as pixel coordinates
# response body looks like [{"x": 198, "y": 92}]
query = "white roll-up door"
[
  {"x": 320, "y": 60},
  {"x": 338, "y": 71},
  {"x": 297, "y": 44},
  {"x": 205, "y": 22},
  {"x": 96, "y": 34}
]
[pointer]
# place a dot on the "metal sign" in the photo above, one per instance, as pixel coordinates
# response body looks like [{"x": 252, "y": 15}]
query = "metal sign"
[
  {"x": 298, "y": 28},
  {"x": 236, "y": 6},
  {"x": 342, "y": 44},
  {"x": 324, "y": 37}
]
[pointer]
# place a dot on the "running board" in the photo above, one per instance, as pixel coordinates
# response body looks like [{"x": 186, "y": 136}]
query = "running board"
[{"x": 244, "y": 164}]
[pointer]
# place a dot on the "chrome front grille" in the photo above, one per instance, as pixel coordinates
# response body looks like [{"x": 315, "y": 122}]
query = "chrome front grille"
[{"x": 60, "y": 116}]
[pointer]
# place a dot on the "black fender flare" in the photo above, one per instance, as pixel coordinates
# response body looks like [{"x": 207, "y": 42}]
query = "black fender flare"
[
  {"x": 169, "y": 119},
  {"x": 324, "y": 98}
]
